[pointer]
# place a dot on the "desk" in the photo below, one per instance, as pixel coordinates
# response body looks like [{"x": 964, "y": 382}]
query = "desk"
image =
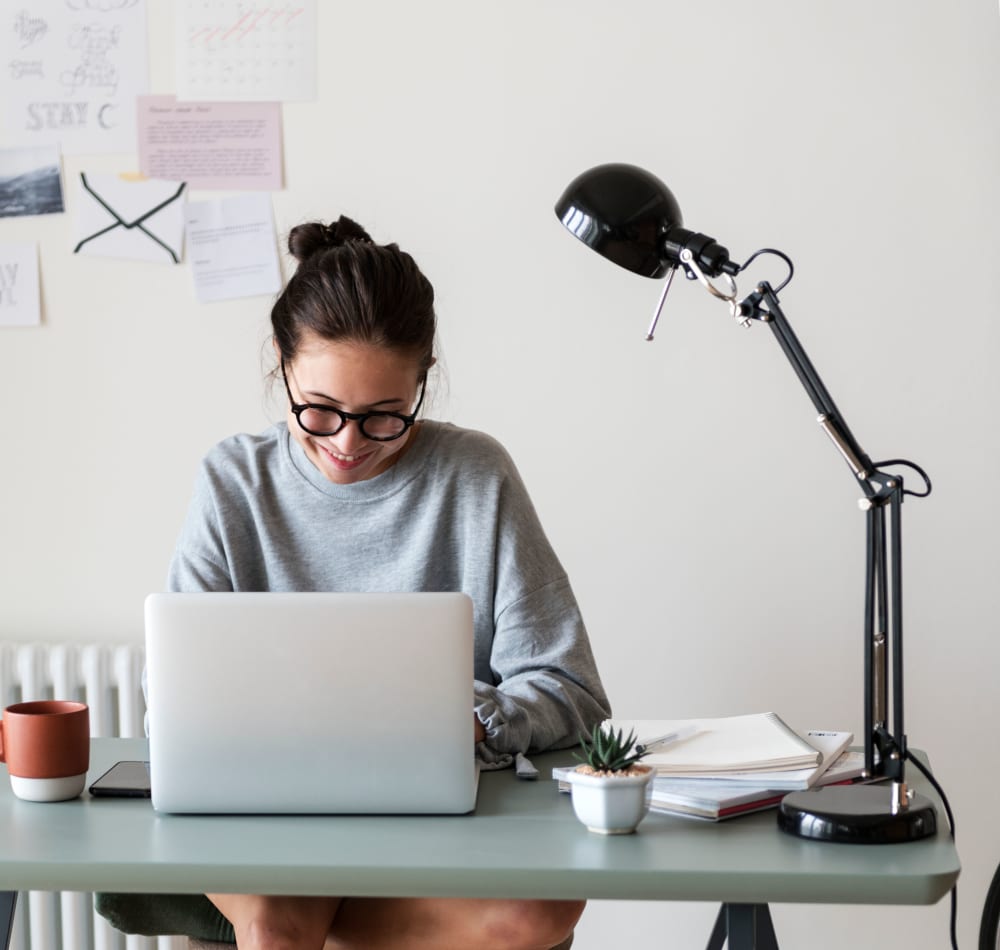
[{"x": 523, "y": 842}]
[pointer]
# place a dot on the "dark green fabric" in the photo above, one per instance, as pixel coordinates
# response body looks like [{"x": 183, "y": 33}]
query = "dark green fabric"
[{"x": 190, "y": 915}]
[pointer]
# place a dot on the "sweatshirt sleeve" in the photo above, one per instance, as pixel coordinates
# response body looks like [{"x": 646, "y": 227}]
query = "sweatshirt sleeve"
[
  {"x": 548, "y": 689},
  {"x": 199, "y": 559},
  {"x": 543, "y": 688}
]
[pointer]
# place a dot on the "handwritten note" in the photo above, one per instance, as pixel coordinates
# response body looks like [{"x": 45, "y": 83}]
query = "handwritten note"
[
  {"x": 232, "y": 247},
  {"x": 245, "y": 50},
  {"x": 20, "y": 304},
  {"x": 211, "y": 145},
  {"x": 72, "y": 70}
]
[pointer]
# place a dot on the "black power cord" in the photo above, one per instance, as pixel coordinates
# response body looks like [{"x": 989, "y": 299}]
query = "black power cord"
[
  {"x": 951, "y": 827},
  {"x": 991, "y": 915},
  {"x": 907, "y": 464}
]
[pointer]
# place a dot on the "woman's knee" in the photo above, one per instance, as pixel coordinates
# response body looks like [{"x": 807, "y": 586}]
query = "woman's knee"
[
  {"x": 278, "y": 922},
  {"x": 533, "y": 924}
]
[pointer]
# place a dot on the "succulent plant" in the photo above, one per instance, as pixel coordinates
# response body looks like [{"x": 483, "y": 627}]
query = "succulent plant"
[{"x": 608, "y": 750}]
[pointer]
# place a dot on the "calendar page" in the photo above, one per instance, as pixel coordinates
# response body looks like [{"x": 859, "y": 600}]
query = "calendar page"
[{"x": 234, "y": 49}]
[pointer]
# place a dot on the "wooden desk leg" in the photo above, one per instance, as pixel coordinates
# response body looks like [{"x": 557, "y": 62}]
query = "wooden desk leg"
[
  {"x": 746, "y": 926},
  {"x": 8, "y": 904}
]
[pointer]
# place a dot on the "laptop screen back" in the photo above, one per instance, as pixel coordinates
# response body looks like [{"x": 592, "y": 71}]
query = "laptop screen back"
[{"x": 311, "y": 702}]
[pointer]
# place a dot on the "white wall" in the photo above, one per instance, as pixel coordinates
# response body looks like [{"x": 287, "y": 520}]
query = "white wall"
[{"x": 710, "y": 529}]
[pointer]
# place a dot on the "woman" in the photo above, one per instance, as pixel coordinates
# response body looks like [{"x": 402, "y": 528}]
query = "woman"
[{"x": 353, "y": 493}]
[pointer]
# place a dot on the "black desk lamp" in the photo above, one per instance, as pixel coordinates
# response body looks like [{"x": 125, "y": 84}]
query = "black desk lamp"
[{"x": 630, "y": 217}]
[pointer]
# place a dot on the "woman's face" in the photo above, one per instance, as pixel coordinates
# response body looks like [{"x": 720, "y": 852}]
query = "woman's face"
[{"x": 353, "y": 377}]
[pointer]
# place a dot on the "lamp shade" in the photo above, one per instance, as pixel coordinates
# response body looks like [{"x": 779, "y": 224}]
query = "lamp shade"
[{"x": 623, "y": 213}]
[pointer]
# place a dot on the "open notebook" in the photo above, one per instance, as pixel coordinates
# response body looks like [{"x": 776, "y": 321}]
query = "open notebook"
[{"x": 728, "y": 744}]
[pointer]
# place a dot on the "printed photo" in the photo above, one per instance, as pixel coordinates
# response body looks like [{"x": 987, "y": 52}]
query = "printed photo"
[{"x": 30, "y": 182}]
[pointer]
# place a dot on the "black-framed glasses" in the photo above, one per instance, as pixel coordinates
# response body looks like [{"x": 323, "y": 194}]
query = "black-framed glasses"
[{"x": 378, "y": 426}]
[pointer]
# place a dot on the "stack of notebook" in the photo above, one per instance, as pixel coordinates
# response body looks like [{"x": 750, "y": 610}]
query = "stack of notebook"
[{"x": 719, "y": 768}]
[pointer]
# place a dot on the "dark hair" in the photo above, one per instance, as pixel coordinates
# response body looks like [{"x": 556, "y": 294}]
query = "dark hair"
[{"x": 347, "y": 288}]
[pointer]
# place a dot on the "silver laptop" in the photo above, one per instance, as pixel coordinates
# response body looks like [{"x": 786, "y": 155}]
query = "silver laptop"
[{"x": 311, "y": 703}]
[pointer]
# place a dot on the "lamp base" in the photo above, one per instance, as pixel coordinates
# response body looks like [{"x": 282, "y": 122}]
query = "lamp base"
[{"x": 856, "y": 814}]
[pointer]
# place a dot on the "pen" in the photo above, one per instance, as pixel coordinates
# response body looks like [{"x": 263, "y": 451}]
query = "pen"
[{"x": 666, "y": 739}]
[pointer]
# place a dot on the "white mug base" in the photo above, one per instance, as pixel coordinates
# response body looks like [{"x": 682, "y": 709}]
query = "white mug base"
[{"x": 48, "y": 789}]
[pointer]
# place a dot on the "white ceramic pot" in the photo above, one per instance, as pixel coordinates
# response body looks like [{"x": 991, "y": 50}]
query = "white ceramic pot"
[{"x": 611, "y": 804}]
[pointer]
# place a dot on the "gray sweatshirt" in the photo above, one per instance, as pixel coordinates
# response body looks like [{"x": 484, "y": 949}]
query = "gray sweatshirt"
[{"x": 451, "y": 515}]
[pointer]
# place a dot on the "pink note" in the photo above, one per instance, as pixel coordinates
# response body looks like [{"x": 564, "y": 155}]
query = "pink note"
[{"x": 231, "y": 146}]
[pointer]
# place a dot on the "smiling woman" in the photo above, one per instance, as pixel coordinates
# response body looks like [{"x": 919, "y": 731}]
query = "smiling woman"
[
  {"x": 354, "y": 333},
  {"x": 382, "y": 425},
  {"x": 355, "y": 492},
  {"x": 350, "y": 446}
]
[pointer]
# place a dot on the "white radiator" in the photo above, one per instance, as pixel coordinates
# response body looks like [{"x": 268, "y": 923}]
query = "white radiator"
[{"x": 107, "y": 678}]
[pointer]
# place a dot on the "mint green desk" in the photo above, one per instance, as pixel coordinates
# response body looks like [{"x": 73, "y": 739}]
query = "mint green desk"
[{"x": 523, "y": 841}]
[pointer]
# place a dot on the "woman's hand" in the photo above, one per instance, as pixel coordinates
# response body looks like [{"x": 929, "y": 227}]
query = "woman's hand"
[{"x": 480, "y": 729}]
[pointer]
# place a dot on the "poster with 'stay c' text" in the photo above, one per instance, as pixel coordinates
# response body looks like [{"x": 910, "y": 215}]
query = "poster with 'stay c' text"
[
  {"x": 246, "y": 50},
  {"x": 71, "y": 70}
]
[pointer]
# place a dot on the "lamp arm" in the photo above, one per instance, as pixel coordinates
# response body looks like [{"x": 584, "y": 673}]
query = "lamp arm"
[
  {"x": 830, "y": 419},
  {"x": 885, "y": 748}
]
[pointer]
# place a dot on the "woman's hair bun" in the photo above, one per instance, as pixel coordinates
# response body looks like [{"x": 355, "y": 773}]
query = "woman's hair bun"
[{"x": 305, "y": 240}]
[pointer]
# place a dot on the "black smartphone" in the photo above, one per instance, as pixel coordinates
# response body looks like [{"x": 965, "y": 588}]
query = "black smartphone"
[{"x": 123, "y": 780}]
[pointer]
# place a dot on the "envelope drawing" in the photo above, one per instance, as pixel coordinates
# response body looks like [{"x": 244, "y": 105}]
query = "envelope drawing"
[{"x": 140, "y": 220}]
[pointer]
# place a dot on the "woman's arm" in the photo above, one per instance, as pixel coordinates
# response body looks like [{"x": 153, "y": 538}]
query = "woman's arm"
[{"x": 547, "y": 689}]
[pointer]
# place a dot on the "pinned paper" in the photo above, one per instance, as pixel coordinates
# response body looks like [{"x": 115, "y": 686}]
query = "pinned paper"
[
  {"x": 72, "y": 70},
  {"x": 135, "y": 219},
  {"x": 231, "y": 49},
  {"x": 232, "y": 247},
  {"x": 29, "y": 181},
  {"x": 20, "y": 304},
  {"x": 211, "y": 145}
]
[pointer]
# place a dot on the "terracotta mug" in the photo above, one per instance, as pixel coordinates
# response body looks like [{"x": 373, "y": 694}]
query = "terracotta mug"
[{"x": 46, "y": 746}]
